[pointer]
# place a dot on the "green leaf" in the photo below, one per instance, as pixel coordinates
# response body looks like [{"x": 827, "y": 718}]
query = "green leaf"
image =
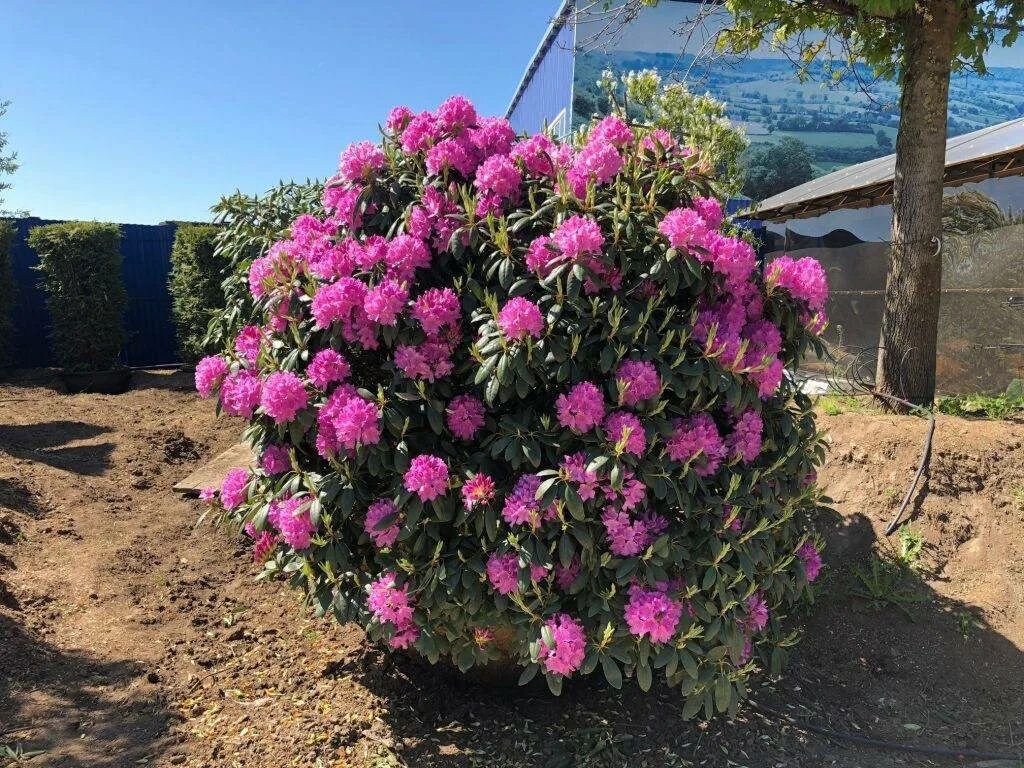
[{"x": 611, "y": 671}]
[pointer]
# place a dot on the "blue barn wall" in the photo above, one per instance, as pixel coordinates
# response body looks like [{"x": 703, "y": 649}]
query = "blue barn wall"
[
  {"x": 146, "y": 266},
  {"x": 548, "y": 90}
]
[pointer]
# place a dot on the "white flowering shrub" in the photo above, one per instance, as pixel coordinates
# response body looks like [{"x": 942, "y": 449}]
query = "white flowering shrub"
[{"x": 575, "y": 447}]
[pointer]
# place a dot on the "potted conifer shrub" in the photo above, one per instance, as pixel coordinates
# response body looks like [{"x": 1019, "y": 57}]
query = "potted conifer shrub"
[{"x": 80, "y": 262}]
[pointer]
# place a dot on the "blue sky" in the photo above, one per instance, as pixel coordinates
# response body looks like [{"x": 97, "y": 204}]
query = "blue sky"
[{"x": 143, "y": 111}]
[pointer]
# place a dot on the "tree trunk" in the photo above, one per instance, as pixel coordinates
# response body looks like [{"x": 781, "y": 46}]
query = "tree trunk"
[{"x": 906, "y": 355}]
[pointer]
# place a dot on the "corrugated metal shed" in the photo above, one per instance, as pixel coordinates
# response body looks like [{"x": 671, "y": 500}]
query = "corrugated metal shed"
[
  {"x": 544, "y": 94},
  {"x": 146, "y": 266},
  {"x": 989, "y": 153}
]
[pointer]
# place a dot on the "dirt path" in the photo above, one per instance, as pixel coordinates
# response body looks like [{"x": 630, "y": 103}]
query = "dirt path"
[{"x": 128, "y": 637}]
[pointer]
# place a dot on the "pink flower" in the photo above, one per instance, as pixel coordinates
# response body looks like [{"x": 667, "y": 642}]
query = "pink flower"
[
  {"x": 492, "y": 136},
  {"x": 658, "y": 138},
  {"x": 342, "y": 204},
  {"x": 327, "y": 367},
  {"x": 360, "y": 161},
  {"x": 427, "y": 477},
  {"x": 385, "y": 301},
  {"x": 262, "y": 276},
  {"x": 684, "y": 228},
  {"x": 638, "y": 380},
  {"x": 522, "y": 506},
  {"x": 478, "y": 489},
  {"x": 541, "y": 257},
  {"x": 398, "y": 118},
  {"x": 621, "y": 425},
  {"x": 284, "y": 395},
  {"x": 275, "y": 459},
  {"x": 520, "y": 318},
  {"x": 499, "y": 176},
  {"x": 745, "y": 440},
  {"x": 811, "y": 558},
  {"x": 569, "y": 646},
  {"x": 731, "y": 257},
  {"x": 233, "y": 489},
  {"x": 210, "y": 372},
  {"x": 341, "y": 302},
  {"x": 240, "y": 393},
  {"x": 248, "y": 342},
  {"x": 421, "y": 131},
  {"x": 710, "y": 209},
  {"x": 291, "y": 517},
  {"x": 565, "y": 575},
  {"x": 653, "y": 613},
  {"x": 346, "y": 421},
  {"x": 455, "y": 154},
  {"x": 578, "y": 236},
  {"x": 263, "y": 547},
  {"x": 612, "y": 130},
  {"x": 429, "y": 361},
  {"x": 597, "y": 162},
  {"x": 381, "y": 534},
  {"x": 391, "y": 604},
  {"x": 482, "y": 636},
  {"x": 535, "y": 153},
  {"x": 804, "y": 279},
  {"x": 465, "y": 416},
  {"x": 456, "y": 113},
  {"x": 208, "y": 495},
  {"x": 405, "y": 254},
  {"x": 697, "y": 439},
  {"x": 582, "y": 408},
  {"x": 575, "y": 468},
  {"x": 757, "y": 612},
  {"x": 503, "y": 572},
  {"x": 628, "y": 536},
  {"x": 437, "y": 308}
]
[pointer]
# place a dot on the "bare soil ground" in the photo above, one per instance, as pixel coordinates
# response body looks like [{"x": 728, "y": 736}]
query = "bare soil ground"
[{"x": 129, "y": 637}]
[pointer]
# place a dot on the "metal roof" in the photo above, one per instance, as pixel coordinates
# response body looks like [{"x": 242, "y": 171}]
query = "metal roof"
[
  {"x": 559, "y": 19},
  {"x": 991, "y": 152}
]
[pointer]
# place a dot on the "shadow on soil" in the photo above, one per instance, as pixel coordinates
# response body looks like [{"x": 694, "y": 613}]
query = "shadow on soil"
[
  {"x": 48, "y": 442},
  {"x": 892, "y": 661},
  {"x": 80, "y": 712}
]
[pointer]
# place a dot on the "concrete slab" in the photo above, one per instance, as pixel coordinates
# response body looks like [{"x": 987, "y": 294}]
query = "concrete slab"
[{"x": 211, "y": 474}]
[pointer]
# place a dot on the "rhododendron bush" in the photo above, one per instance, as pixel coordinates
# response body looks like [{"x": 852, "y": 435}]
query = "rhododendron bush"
[{"x": 577, "y": 447}]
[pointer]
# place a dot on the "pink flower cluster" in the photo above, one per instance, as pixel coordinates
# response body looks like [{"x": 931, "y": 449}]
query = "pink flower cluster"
[
  {"x": 804, "y": 279},
  {"x": 478, "y": 489},
  {"x": 520, "y": 318},
  {"x": 465, "y": 416},
  {"x": 427, "y": 477},
  {"x": 811, "y": 559},
  {"x": 240, "y": 393},
  {"x": 638, "y": 381},
  {"x": 623, "y": 425},
  {"x": 391, "y": 604},
  {"x": 745, "y": 440},
  {"x": 697, "y": 439},
  {"x": 437, "y": 308},
  {"x": 522, "y": 506},
  {"x": 292, "y": 519},
  {"x": 757, "y": 612},
  {"x": 430, "y": 361},
  {"x": 283, "y": 396},
  {"x": 652, "y": 613},
  {"x": 503, "y": 572},
  {"x": 383, "y": 535},
  {"x": 233, "y": 489},
  {"x": 275, "y": 459},
  {"x": 210, "y": 372},
  {"x": 582, "y": 408},
  {"x": 568, "y": 647},
  {"x": 327, "y": 367},
  {"x": 346, "y": 421}
]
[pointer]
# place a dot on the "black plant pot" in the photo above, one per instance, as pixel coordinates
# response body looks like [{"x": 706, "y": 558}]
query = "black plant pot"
[{"x": 113, "y": 382}]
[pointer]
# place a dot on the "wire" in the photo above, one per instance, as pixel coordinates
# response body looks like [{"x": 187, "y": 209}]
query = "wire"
[{"x": 893, "y": 746}]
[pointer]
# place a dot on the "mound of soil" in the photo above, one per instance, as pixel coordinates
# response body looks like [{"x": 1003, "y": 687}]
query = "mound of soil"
[{"x": 130, "y": 637}]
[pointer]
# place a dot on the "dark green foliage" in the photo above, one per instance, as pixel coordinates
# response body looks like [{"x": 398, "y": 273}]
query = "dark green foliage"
[
  {"x": 776, "y": 168},
  {"x": 196, "y": 274},
  {"x": 80, "y": 263},
  {"x": 249, "y": 226},
  {"x": 7, "y": 294}
]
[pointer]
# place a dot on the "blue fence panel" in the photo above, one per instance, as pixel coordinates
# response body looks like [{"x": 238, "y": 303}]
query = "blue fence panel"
[{"x": 146, "y": 266}]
